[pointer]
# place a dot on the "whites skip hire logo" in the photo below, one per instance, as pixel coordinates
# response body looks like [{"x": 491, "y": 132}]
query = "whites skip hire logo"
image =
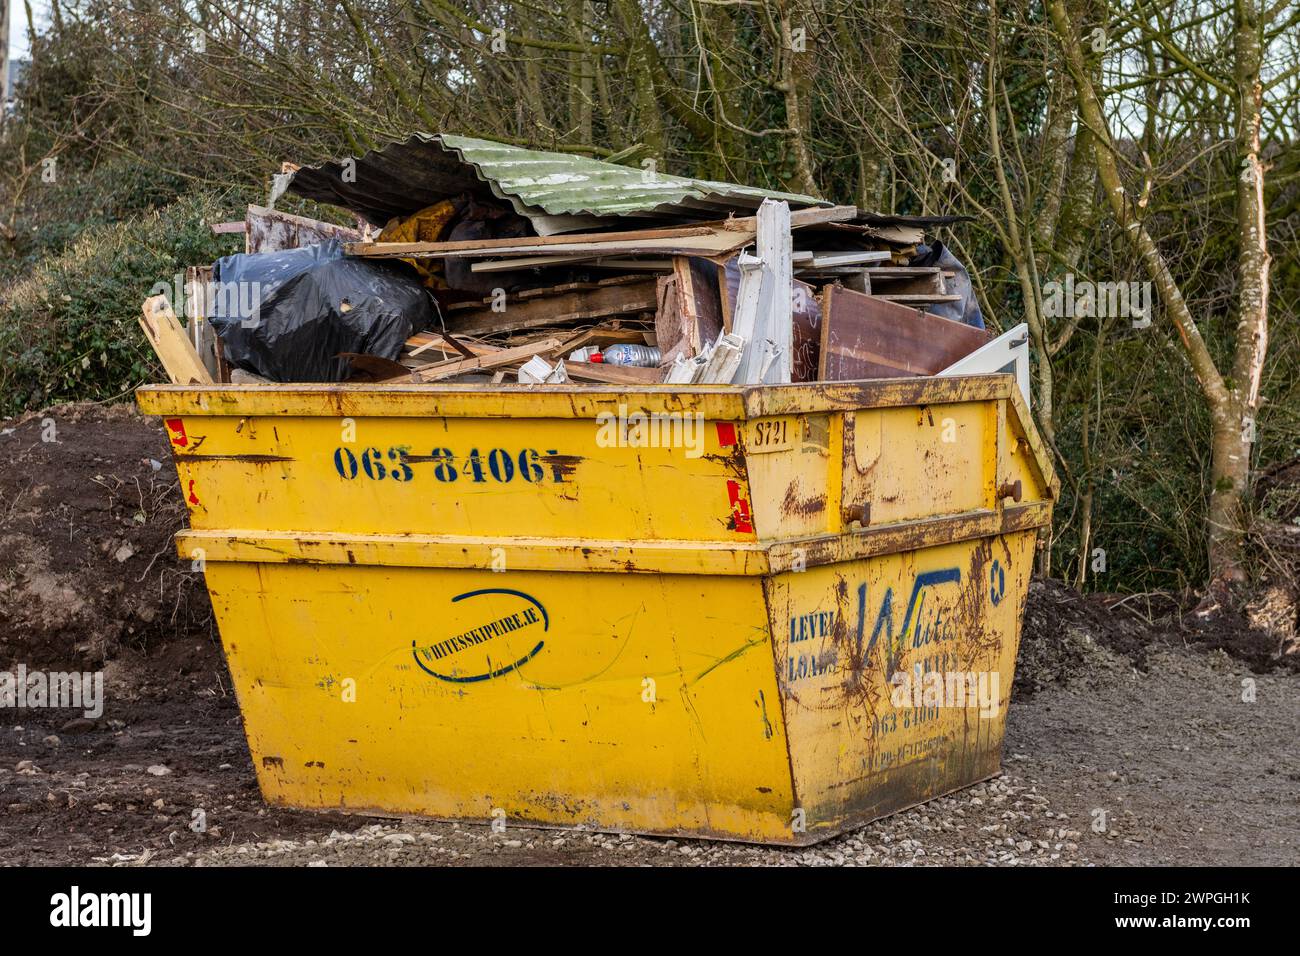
[{"x": 73, "y": 909}]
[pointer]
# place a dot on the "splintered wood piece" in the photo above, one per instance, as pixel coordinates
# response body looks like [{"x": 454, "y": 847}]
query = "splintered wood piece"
[
  {"x": 865, "y": 336},
  {"x": 815, "y": 216},
  {"x": 603, "y": 335},
  {"x": 700, "y": 303},
  {"x": 613, "y": 374},
  {"x": 198, "y": 280},
  {"x": 587, "y": 261},
  {"x": 492, "y": 246},
  {"x": 374, "y": 368},
  {"x": 270, "y": 230},
  {"x": 441, "y": 370},
  {"x": 697, "y": 241},
  {"x": 668, "y": 321},
  {"x": 456, "y": 344},
  {"x": 171, "y": 344},
  {"x": 422, "y": 342}
]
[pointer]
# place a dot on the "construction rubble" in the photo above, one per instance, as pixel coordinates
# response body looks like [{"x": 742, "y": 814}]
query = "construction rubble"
[{"x": 478, "y": 263}]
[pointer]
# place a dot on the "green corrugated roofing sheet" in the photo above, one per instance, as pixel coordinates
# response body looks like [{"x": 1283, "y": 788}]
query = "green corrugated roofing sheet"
[
  {"x": 563, "y": 183},
  {"x": 403, "y": 177}
]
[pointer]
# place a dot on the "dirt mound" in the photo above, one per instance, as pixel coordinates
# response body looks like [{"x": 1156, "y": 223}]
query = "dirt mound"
[
  {"x": 1067, "y": 634},
  {"x": 89, "y": 502}
]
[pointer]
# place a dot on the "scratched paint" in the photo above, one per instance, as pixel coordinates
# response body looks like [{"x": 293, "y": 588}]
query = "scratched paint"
[
  {"x": 565, "y": 735},
  {"x": 696, "y": 645},
  {"x": 848, "y": 631},
  {"x": 460, "y": 477}
]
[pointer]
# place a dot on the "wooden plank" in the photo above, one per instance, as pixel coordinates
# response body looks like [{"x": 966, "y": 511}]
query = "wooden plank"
[
  {"x": 716, "y": 242},
  {"x": 698, "y": 306},
  {"x": 543, "y": 311},
  {"x": 613, "y": 374},
  {"x": 224, "y": 372},
  {"x": 525, "y": 242},
  {"x": 908, "y": 280},
  {"x": 712, "y": 242},
  {"x": 923, "y": 299},
  {"x": 269, "y": 230},
  {"x": 198, "y": 281},
  {"x": 589, "y": 262},
  {"x": 567, "y": 287},
  {"x": 603, "y": 335},
  {"x": 171, "y": 344},
  {"x": 865, "y": 336},
  {"x": 436, "y": 339},
  {"x": 894, "y": 235},
  {"x": 424, "y": 341},
  {"x": 429, "y": 352},
  {"x": 813, "y": 216},
  {"x": 806, "y": 319},
  {"x": 671, "y": 331},
  {"x": 906, "y": 272},
  {"x": 829, "y": 260},
  {"x": 440, "y": 370}
]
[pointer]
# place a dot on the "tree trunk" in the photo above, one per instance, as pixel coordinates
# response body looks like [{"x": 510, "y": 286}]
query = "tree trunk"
[
  {"x": 1231, "y": 402},
  {"x": 1234, "y": 430}
]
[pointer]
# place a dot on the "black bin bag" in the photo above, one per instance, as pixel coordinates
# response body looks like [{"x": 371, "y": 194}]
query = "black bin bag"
[{"x": 288, "y": 315}]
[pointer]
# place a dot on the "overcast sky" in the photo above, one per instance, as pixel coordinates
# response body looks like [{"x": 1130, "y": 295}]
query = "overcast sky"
[{"x": 18, "y": 25}]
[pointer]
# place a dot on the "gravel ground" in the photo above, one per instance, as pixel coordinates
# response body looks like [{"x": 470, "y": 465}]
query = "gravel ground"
[{"x": 1165, "y": 767}]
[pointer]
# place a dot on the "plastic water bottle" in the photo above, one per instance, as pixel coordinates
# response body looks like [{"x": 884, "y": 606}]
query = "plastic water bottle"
[{"x": 641, "y": 356}]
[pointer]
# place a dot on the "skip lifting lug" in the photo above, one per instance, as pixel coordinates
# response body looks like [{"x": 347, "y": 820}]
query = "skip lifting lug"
[{"x": 859, "y": 513}]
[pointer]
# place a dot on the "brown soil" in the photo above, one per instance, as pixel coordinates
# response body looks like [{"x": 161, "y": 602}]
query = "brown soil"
[{"x": 1127, "y": 706}]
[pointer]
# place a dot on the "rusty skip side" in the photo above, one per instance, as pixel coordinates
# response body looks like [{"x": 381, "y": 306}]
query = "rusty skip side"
[
  {"x": 721, "y": 402},
  {"x": 604, "y": 556},
  {"x": 454, "y": 601}
]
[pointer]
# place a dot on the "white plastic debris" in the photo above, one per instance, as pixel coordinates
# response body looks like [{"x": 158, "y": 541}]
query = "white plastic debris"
[{"x": 537, "y": 371}]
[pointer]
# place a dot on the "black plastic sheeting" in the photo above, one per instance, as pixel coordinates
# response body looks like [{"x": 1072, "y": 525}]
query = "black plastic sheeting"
[
  {"x": 968, "y": 309},
  {"x": 288, "y": 315}
]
